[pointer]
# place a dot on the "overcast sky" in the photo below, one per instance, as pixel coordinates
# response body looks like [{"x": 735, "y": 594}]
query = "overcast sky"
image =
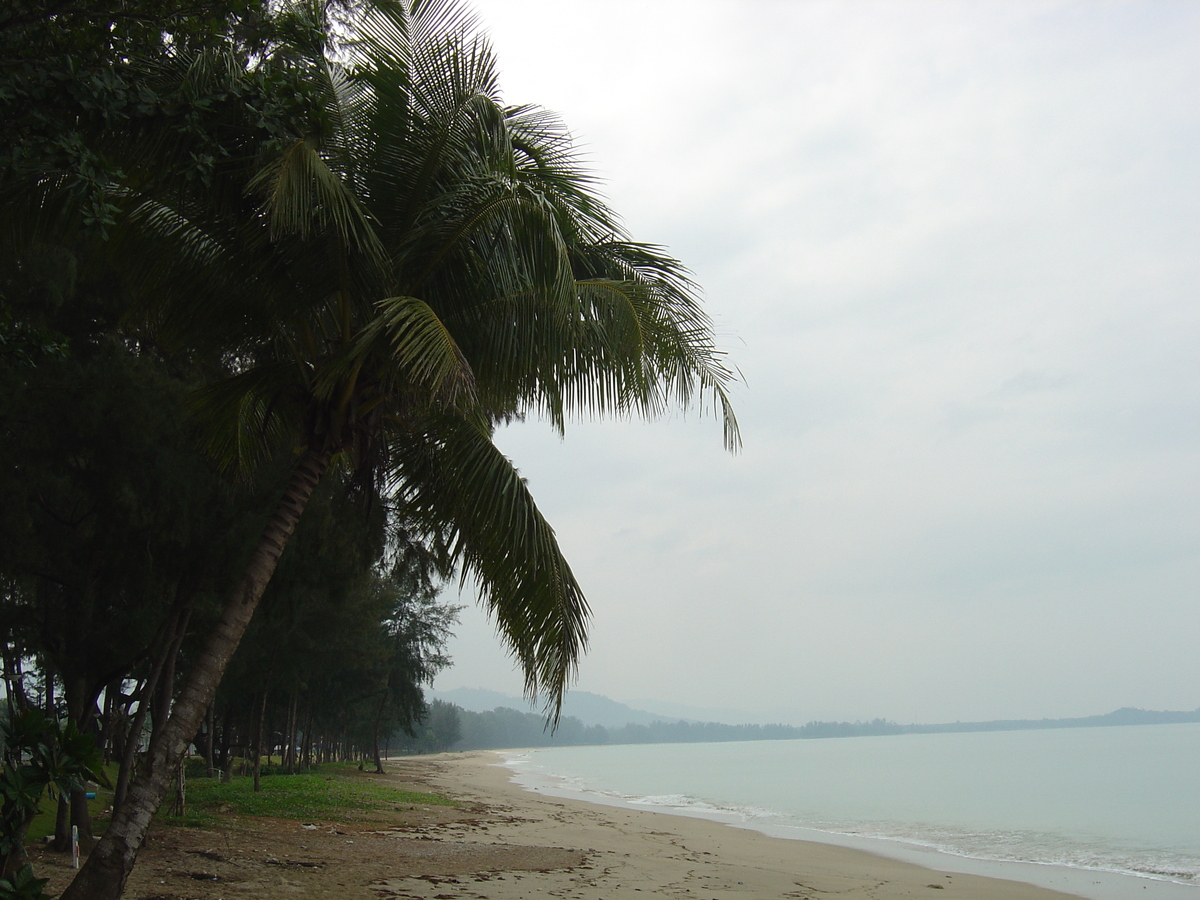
[{"x": 954, "y": 249}]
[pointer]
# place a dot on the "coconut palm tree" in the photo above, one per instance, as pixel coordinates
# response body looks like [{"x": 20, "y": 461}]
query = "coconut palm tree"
[{"x": 419, "y": 265}]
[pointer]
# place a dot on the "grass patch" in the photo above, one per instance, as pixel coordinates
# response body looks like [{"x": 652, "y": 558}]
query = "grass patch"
[
  {"x": 43, "y": 824},
  {"x": 327, "y": 795}
]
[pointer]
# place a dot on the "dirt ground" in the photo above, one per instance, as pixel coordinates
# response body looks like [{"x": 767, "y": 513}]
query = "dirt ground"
[{"x": 424, "y": 847}]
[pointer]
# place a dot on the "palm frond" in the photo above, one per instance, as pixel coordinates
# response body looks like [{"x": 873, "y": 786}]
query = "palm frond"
[
  {"x": 303, "y": 196},
  {"x": 422, "y": 347},
  {"x": 405, "y": 348},
  {"x": 244, "y": 417},
  {"x": 452, "y": 477}
]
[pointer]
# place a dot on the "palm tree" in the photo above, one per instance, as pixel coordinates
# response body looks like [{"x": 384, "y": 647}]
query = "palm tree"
[{"x": 420, "y": 265}]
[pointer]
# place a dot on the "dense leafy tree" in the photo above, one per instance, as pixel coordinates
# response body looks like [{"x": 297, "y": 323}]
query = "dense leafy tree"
[
  {"x": 350, "y": 629},
  {"x": 440, "y": 729},
  {"x": 112, "y": 520},
  {"x": 79, "y": 113}
]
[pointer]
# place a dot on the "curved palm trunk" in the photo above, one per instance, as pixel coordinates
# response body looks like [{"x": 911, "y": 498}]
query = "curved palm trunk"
[{"x": 103, "y": 875}]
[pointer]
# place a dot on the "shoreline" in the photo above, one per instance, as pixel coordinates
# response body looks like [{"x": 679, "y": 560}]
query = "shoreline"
[
  {"x": 659, "y": 851},
  {"x": 498, "y": 840},
  {"x": 1093, "y": 884}
]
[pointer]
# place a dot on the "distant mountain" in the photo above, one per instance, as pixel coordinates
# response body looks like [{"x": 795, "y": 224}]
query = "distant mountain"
[
  {"x": 506, "y": 725},
  {"x": 1125, "y": 716},
  {"x": 590, "y": 709},
  {"x": 712, "y": 724}
]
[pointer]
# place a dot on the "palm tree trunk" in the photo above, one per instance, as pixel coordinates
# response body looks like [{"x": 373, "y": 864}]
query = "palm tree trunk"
[{"x": 103, "y": 875}]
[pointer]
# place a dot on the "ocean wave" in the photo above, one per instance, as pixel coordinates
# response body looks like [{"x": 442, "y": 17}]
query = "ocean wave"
[{"x": 1071, "y": 849}]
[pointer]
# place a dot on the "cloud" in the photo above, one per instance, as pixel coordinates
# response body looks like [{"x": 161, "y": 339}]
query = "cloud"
[{"x": 952, "y": 249}]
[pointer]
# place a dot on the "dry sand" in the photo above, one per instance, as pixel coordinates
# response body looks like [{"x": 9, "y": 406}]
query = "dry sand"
[{"x": 505, "y": 843}]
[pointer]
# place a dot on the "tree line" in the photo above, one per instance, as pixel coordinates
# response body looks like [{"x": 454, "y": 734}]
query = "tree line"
[
  {"x": 450, "y": 727},
  {"x": 271, "y": 275}
]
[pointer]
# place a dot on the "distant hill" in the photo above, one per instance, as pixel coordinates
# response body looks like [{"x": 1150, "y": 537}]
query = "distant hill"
[
  {"x": 1125, "y": 716},
  {"x": 498, "y": 722},
  {"x": 592, "y": 718},
  {"x": 590, "y": 709}
]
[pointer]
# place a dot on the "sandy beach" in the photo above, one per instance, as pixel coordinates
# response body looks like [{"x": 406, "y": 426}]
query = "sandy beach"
[
  {"x": 501, "y": 842},
  {"x": 631, "y": 853}
]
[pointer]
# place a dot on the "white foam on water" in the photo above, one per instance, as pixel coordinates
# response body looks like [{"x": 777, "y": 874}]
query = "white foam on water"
[{"x": 1090, "y": 866}]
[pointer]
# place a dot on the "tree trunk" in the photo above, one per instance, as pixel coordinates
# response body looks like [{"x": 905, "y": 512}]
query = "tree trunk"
[
  {"x": 129, "y": 746},
  {"x": 164, "y": 690},
  {"x": 48, "y": 704},
  {"x": 227, "y": 745},
  {"x": 167, "y": 639},
  {"x": 306, "y": 758},
  {"x": 62, "y": 824},
  {"x": 73, "y": 809},
  {"x": 375, "y": 735},
  {"x": 109, "y": 732},
  {"x": 81, "y": 818},
  {"x": 108, "y": 866},
  {"x": 179, "y": 804},
  {"x": 14, "y": 682},
  {"x": 209, "y": 726},
  {"x": 258, "y": 741},
  {"x": 293, "y": 730}
]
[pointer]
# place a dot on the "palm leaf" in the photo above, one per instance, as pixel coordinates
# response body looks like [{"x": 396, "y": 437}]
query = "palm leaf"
[
  {"x": 304, "y": 196},
  {"x": 452, "y": 478},
  {"x": 245, "y": 417}
]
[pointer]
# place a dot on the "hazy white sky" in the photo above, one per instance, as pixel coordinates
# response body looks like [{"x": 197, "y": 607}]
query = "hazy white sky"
[{"x": 954, "y": 248}]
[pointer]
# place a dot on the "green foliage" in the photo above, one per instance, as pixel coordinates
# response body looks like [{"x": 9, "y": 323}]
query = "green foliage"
[
  {"x": 23, "y": 885},
  {"x": 80, "y": 109},
  {"x": 43, "y": 825},
  {"x": 351, "y": 625},
  {"x": 41, "y": 755},
  {"x": 110, "y": 514},
  {"x": 24, "y": 344},
  {"x": 506, "y": 728}
]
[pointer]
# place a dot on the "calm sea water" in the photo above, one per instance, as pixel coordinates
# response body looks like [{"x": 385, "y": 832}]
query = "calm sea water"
[{"x": 1091, "y": 800}]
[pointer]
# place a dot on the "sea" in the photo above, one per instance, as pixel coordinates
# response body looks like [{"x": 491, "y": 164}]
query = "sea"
[{"x": 1106, "y": 813}]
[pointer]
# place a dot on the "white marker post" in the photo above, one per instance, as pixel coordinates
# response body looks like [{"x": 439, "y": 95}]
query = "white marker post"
[{"x": 74, "y": 846}]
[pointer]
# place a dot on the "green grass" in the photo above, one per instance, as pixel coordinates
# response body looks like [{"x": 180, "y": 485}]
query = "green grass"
[
  {"x": 335, "y": 793},
  {"x": 43, "y": 825},
  {"x": 338, "y": 791}
]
